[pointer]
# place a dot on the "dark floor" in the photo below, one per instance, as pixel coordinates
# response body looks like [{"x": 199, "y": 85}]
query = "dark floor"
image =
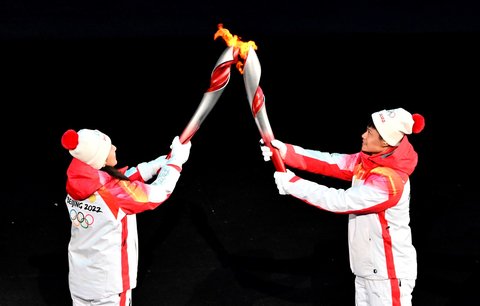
[{"x": 226, "y": 237}]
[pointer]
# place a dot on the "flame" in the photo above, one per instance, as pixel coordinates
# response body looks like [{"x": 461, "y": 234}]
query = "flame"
[{"x": 236, "y": 42}]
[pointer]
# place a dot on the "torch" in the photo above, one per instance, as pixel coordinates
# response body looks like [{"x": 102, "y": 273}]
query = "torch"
[
  {"x": 251, "y": 71},
  {"x": 219, "y": 79},
  {"x": 256, "y": 98}
]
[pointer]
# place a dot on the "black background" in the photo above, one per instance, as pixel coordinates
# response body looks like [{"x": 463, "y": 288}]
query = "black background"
[{"x": 138, "y": 70}]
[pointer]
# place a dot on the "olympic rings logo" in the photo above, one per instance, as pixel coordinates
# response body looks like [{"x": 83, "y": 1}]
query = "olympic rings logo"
[{"x": 80, "y": 219}]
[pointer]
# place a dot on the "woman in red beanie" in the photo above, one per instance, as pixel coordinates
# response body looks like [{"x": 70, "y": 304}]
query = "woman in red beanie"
[
  {"x": 102, "y": 203},
  {"x": 382, "y": 256}
]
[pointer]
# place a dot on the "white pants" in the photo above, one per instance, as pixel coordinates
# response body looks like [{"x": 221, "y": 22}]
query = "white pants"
[
  {"x": 396, "y": 292},
  {"x": 123, "y": 299}
]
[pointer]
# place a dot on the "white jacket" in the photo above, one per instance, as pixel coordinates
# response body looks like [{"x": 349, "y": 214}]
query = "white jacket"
[
  {"x": 377, "y": 204},
  {"x": 103, "y": 248}
]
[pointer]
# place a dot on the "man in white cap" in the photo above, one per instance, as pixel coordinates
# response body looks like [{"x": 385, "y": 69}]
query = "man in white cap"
[
  {"x": 102, "y": 203},
  {"x": 382, "y": 256}
]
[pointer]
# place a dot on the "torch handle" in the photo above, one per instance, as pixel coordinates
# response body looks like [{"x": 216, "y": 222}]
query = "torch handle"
[
  {"x": 277, "y": 160},
  {"x": 267, "y": 136}
]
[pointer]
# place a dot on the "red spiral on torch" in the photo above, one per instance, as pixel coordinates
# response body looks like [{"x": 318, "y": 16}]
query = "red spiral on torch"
[
  {"x": 258, "y": 101},
  {"x": 221, "y": 73}
]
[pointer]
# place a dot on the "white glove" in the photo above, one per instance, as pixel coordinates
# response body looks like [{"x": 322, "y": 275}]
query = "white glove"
[
  {"x": 267, "y": 152},
  {"x": 148, "y": 170},
  {"x": 180, "y": 152},
  {"x": 282, "y": 179}
]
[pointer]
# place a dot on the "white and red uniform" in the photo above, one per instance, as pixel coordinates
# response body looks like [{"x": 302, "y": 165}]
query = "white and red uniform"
[
  {"x": 377, "y": 204},
  {"x": 103, "y": 248}
]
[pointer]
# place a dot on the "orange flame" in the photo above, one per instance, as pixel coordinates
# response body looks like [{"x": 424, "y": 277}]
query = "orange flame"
[{"x": 236, "y": 42}]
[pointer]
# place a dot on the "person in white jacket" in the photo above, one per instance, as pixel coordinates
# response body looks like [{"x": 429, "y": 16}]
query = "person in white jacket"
[
  {"x": 382, "y": 256},
  {"x": 102, "y": 203}
]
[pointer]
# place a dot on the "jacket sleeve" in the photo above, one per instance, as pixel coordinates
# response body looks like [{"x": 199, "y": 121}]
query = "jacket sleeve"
[
  {"x": 336, "y": 165},
  {"x": 376, "y": 194},
  {"x": 142, "y": 172},
  {"x": 137, "y": 196}
]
